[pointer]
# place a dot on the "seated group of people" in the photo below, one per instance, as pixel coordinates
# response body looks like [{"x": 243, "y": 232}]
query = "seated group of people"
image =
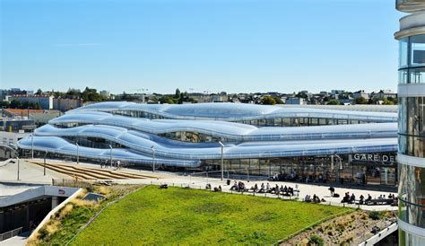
[
  {"x": 391, "y": 199},
  {"x": 314, "y": 199},
  {"x": 238, "y": 186},
  {"x": 348, "y": 199},
  {"x": 282, "y": 190},
  {"x": 216, "y": 189}
]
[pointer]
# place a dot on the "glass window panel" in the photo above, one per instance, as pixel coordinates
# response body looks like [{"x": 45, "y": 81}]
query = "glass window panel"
[
  {"x": 413, "y": 146},
  {"x": 403, "y": 76},
  {"x": 417, "y": 75},
  {"x": 412, "y": 116},
  {"x": 403, "y": 53},
  {"x": 417, "y": 50}
]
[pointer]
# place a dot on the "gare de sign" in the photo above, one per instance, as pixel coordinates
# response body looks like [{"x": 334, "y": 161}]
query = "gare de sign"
[{"x": 374, "y": 157}]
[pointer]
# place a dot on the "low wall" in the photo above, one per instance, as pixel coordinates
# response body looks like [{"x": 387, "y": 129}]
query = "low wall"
[{"x": 51, "y": 213}]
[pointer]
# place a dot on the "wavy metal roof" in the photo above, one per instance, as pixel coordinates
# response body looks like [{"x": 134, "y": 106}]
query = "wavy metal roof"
[
  {"x": 237, "y": 111},
  {"x": 229, "y": 130},
  {"x": 139, "y": 136}
]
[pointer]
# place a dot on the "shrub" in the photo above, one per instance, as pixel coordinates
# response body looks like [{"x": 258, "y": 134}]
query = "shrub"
[
  {"x": 316, "y": 240},
  {"x": 375, "y": 215}
]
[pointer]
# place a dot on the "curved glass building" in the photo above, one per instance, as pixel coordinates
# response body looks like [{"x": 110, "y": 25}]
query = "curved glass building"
[
  {"x": 262, "y": 140},
  {"x": 411, "y": 92}
]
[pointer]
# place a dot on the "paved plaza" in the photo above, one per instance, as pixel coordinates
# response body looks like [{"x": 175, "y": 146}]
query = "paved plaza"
[
  {"x": 31, "y": 174},
  {"x": 34, "y": 174}
]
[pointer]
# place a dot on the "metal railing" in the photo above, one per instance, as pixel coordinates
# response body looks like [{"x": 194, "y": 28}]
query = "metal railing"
[{"x": 9, "y": 234}]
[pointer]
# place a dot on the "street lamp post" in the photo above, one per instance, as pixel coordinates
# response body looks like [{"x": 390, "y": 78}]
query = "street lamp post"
[
  {"x": 45, "y": 163},
  {"x": 222, "y": 150},
  {"x": 78, "y": 153},
  {"x": 153, "y": 157},
  {"x": 18, "y": 167},
  {"x": 110, "y": 154},
  {"x": 32, "y": 146}
]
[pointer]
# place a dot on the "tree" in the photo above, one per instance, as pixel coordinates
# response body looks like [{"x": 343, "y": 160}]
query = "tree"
[
  {"x": 302, "y": 95},
  {"x": 268, "y": 100},
  {"x": 91, "y": 95},
  {"x": 177, "y": 95},
  {"x": 388, "y": 102},
  {"x": 361, "y": 100},
  {"x": 4, "y": 104},
  {"x": 278, "y": 100},
  {"x": 392, "y": 100},
  {"x": 73, "y": 93},
  {"x": 39, "y": 92},
  {"x": 166, "y": 99},
  {"x": 333, "y": 102},
  {"x": 15, "y": 104}
]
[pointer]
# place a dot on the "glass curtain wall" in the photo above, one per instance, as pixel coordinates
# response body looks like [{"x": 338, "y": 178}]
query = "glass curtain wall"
[{"x": 412, "y": 139}]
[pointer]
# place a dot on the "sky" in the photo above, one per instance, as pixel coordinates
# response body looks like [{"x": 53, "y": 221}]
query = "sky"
[{"x": 198, "y": 45}]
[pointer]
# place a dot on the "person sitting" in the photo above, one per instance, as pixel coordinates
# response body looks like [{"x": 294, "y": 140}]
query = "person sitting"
[
  {"x": 395, "y": 201},
  {"x": 332, "y": 190},
  {"x": 241, "y": 187},
  {"x": 361, "y": 201},
  {"x": 217, "y": 189},
  {"x": 163, "y": 186},
  {"x": 316, "y": 199},
  {"x": 352, "y": 198},
  {"x": 276, "y": 189},
  {"x": 307, "y": 198},
  {"x": 234, "y": 186},
  {"x": 291, "y": 191},
  {"x": 369, "y": 198},
  {"x": 208, "y": 187},
  {"x": 255, "y": 187},
  {"x": 346, "y": 198},
  {"x": 268, "y": 187},
  {"x": 262, "y": 189}
]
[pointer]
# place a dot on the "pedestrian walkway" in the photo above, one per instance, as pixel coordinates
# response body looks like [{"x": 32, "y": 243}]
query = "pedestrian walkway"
[{"x": 31, "y": 173}]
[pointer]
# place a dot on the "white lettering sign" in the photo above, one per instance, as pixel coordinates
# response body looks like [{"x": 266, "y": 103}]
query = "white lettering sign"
[{"x": 374, "y": 157}]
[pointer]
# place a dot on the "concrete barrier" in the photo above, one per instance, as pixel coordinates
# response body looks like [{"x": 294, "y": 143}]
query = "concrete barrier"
[{"x": 52, "y": 212}]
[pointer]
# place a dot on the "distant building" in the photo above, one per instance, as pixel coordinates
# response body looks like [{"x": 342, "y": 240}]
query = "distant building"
[
  {"x": 337, "y": 91},
  {"x": 324, "y": 93},
  {"x": 65, "y": 104},
  {"x": 16, "y": 125},
  {"x": 219, "y": 98},
  {"x": 384, "y": 94},
  {"x": 38, "y": 117},
  {"x": 361, "y": 93},
  {"x": 295, "y": 101},
  {"x": 11, "y": 138},
  {"x": 45, "y": 102}
]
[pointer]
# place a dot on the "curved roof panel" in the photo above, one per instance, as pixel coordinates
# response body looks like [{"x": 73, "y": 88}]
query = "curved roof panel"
[
  {"x": 237, "y": 111},
  {"x": 235, "y": 131}
]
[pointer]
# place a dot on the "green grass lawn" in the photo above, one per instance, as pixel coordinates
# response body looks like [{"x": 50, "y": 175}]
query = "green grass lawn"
[{"x": 156, "y": 216}]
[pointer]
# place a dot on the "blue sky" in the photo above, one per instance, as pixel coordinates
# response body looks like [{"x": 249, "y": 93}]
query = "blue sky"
[{"x": 199, "y": 45}]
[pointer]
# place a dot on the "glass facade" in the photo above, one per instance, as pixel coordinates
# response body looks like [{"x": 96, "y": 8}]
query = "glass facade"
[
  {"x": 412, "y": 60},
  {"x": 411, "y": 131}
]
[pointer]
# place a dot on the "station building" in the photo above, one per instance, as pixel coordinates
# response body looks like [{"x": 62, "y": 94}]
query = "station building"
[{"x": 290, "y": 143}]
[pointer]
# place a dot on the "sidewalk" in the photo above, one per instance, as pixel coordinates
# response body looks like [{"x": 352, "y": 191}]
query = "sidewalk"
[{"x": 30, "y": 173}]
